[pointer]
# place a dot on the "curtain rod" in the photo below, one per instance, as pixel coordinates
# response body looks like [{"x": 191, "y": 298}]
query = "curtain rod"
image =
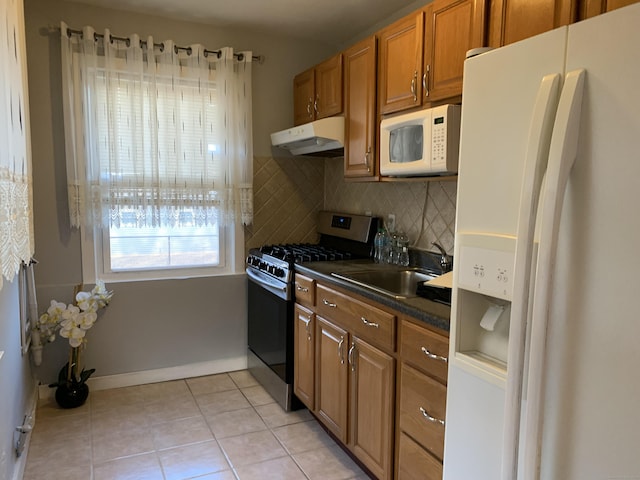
[{"x": 127, "y": 40}]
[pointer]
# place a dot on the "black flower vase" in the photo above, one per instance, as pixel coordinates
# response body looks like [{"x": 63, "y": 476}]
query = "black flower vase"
[{"x": 72, "y": 394}]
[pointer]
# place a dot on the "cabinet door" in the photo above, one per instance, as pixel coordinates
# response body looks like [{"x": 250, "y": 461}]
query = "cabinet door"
[
  {"x": 591, "y": 8},
  {"x": 303, "y": 97},
  {"x": 328, "y": 83},
  {"x": 372, "y": 395},
  {"x": 400, "y": 64},
  {"x": 451, "y": 28},
  {"x": 360, "y": 109},
  {"x": 304, "y": 356},
  {"x": 514, "y": 20},
  {"x": 331, "y": 377}
]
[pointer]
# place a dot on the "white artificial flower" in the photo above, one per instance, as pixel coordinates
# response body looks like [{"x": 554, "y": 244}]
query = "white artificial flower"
[
  {"x": 86, "y": 302},
  {"x": 72, "y": 321},
  {"x": 74, "y": 334},
  {"x": 56, "y": 309},
  {"x": 87, "y": 319}
]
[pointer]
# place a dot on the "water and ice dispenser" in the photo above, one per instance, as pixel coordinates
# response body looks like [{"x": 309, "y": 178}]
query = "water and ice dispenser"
[{"x": 482, "y": 303}]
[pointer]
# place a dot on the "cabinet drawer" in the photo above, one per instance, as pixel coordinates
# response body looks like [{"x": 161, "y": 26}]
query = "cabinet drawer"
[
  {"x": 425, "y": 350},
  {"x": 305, "y": 292},
  {"x": 422, "y": 409},
  {"x": 415, "y": 463},
  {"x": 363, "y": 320}
]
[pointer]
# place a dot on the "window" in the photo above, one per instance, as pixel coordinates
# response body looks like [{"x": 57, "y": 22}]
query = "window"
[{"x": 159, "y": 156}]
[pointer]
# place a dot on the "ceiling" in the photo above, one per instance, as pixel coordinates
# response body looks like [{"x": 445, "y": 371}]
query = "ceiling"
[{"x": 328, "y": 21}]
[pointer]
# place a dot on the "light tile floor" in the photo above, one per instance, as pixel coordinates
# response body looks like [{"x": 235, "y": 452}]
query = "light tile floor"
[{"x": 221, "y": 427}]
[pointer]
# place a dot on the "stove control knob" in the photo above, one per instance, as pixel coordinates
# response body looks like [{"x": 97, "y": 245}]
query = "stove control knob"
[{"x": 280, "y": 272}]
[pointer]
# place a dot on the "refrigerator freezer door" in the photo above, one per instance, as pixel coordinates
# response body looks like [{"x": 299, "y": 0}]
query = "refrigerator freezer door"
[
  {"x": 562, "y": 155},
  {"x": 591, "y": 427},
  {"x": 500, "y": 90}
]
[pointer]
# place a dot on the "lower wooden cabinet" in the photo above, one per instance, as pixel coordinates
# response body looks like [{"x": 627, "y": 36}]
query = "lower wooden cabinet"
[
  {"x": 384, "y": 402},
  {"x": 304, "y": 358},
  {"x": 372, "y": 393},
  {"x": 332, "y": 377},
  {"x": 422, "y": 397},
  {"x": 414, "y": 463}
]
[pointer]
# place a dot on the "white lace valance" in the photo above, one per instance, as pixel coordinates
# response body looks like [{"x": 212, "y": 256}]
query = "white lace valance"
[
  {"x": 16, "y": 218},
  {"x": 155, "y": 134}
]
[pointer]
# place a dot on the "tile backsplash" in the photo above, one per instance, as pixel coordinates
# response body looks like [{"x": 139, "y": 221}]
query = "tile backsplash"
[
  {"x": 425, "y": 211},
  {"x": 288, "y": 192}
]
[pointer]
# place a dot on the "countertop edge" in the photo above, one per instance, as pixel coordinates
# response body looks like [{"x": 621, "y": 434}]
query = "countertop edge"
[{"x": 432, "y": 313}]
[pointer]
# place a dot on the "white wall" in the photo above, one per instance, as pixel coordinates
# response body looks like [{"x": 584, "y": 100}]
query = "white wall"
[
  {"x": 16, "y": 385},
  {"x": 149, "y": 325}
]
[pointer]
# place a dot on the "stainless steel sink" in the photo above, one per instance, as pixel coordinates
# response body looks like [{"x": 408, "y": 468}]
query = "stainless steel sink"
[{"x": 395, "y": 283}]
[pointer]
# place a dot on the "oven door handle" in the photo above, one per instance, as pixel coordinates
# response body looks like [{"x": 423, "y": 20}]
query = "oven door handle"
[{"x": 274, "y": 286}]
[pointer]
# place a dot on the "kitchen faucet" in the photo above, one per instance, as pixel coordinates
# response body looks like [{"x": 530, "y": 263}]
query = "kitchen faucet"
[{"x": 445, "y": 260}]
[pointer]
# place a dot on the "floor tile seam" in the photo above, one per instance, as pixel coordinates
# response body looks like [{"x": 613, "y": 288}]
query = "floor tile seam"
[
  {"x": 124, "y": 457},
  {"x": 190, "y": 444},
  {"x": 285, "y": 454},
  {"x": 308, "y": 476}
]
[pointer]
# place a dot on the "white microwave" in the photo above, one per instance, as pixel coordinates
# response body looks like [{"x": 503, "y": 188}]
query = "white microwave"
[{"x": 421, "y": 143}]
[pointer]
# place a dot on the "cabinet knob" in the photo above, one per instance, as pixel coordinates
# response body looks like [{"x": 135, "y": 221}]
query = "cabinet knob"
[{"x": 315, "y": 105}]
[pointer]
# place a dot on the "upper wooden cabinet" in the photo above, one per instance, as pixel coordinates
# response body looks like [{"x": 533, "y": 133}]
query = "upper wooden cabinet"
[
  {"x": 422, "y": 55},
  {"x": 400, "y": 64},
  {"x": 591, "y": 8},
  {"x": 452, "y": 27},
  {"x": 514, "y": 20},
  {"x": 360, "y": 109},
  {"x": 317, "y": 92}
]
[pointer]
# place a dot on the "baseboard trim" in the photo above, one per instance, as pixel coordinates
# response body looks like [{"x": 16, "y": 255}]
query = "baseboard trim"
[{"x": 158, "y": 375}]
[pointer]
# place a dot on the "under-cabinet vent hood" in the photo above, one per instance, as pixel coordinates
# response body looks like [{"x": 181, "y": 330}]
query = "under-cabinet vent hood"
[{"x": 324, "y": 137}]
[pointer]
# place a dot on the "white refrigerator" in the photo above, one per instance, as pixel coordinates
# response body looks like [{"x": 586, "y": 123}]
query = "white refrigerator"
[{"x": 544, "y": 365}]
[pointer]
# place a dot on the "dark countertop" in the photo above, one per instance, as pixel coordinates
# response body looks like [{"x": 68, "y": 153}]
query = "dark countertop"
[{"x": 432, "y": 313}]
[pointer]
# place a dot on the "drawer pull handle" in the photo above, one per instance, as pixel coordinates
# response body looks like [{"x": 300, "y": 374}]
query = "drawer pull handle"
[
  {"x": 433, "y": 356},
  {"x": 328, "y": 303},
  {"x": 301, "y": 289},
  {"x": 430, "y": 418},
  {"x": 340, "y": 350},
  {"x": 368, "y": 323}
]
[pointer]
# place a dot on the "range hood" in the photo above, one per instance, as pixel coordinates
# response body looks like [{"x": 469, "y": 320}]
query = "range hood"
[{"x": 324, "y": 137}]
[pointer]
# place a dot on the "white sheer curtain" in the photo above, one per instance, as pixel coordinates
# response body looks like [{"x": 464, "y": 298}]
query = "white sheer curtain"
[
  {"x": 155, "y": 131},
  {"x": 16, "y": 218}
]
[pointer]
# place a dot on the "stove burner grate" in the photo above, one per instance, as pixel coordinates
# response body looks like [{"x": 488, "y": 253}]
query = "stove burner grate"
[{"x": 300, "y": 253}]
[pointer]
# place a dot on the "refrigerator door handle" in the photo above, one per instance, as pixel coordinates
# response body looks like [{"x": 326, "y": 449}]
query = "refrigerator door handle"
[
  {"x": 537, "y": 153},
  {"x": 562, "y": 155}
]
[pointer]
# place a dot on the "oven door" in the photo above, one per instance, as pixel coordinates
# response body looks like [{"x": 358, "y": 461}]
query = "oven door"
[{"x": 270, "y": 326}]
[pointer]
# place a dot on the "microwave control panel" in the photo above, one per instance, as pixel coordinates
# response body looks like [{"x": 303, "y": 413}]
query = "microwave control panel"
[{"x": 445, "y": 137}]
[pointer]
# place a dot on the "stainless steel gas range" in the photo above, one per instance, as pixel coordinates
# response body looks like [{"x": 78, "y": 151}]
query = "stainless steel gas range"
[{"x": 270, "y": 271}]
